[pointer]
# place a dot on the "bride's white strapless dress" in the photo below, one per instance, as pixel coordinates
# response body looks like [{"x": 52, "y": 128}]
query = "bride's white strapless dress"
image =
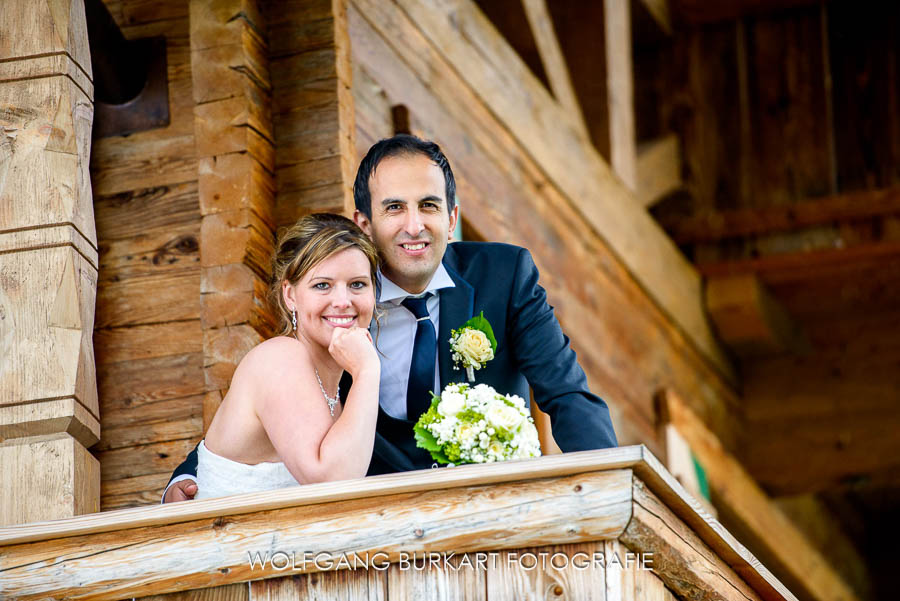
[{"x": 218, "y": 476}]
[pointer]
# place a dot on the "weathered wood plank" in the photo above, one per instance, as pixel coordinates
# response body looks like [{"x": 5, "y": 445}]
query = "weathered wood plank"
[
  {"x": 747, "y": 506},
  {"x": 135, "y": 212},
  {"x": 852, "y": 206},
  {"x": 620, "y": 91},
  {"x": 145, "y": 459},
  {"x": 749, "y": 319},
  {"x": 461, "y": 518},
  {"x": 429, "y": 576},
  {"x": 352, "y": 585},
  {"x": 130, "y": 383},
  {"x": 148, "y": 341},
  {"x": 541, "y": 24},
  {"x": 545, "y": 572},
  {"x": 229, "y": 592},
  {"x": 173, "y": 427},
  {"x": 683, "y": 561},
  {"x": 59, "y": 478},
  {"x": 658, "y": 169},
  {"x": 175, "y": 294}
]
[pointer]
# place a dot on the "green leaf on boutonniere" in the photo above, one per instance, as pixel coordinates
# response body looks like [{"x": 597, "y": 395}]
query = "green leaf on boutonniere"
[{"x": 479, "y": 322}]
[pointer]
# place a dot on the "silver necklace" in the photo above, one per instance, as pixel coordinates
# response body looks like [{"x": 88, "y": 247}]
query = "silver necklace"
[{"x": 331, "y": 400}]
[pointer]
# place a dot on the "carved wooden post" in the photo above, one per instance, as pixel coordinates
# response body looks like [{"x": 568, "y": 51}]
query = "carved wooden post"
[{"x": 48, "y": 264}]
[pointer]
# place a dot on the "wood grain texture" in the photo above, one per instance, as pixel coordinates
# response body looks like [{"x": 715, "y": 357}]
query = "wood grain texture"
[
  {"x": 353, "y": 585},
  {"x": 469, "y": 494},
  {"x": 680, "y": 559},
  {"x": 229, "y": 592},
  {"x": 313, "y": 108},
  {"x": 512, "y": 516},
  {"x": 541, "y": 24},
  {"x": 658, "y": 169},
  {"x": 546, "y": 572},
  {"x": 49, "y": 294},
  {"x": 745, "y": 505},
  {"x": 61, "y": 479},
  {"x": 750, "y": 320},
  {"x": 620, "y": 91}
]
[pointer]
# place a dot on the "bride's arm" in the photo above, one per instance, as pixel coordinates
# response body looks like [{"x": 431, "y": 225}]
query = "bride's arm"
[{"x": 296, "y": 418}]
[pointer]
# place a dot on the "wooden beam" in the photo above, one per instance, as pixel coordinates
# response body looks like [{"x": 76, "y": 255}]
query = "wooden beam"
[
  {"x": 236, "y": 164},
  {"x": 690, "y": 570},
  {"x": 698, "y": 12},
  {"x": 620, "y": 90},
  {"x": 554, "y": 62},
  {"x": 748, "y": 511},
  {"x": 584, "y": 498},
  {"x": 658, "y": 169},
  {"x": 659, "y": 10},
  {"x": 819, "y": 525},
  {"x": 852, "y": 206},
  {"x": 749, "y": 320},
  {"x": 491, "y": 69},
  {"x": 800, "y": 266},
  {"x": 48, "y": 265}
]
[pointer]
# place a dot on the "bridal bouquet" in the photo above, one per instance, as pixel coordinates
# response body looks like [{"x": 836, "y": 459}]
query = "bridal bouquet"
[{"x": 477, "y": 425}]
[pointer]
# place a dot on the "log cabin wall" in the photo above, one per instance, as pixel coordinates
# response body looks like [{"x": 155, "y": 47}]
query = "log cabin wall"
[{"x": 148, "y": 332}]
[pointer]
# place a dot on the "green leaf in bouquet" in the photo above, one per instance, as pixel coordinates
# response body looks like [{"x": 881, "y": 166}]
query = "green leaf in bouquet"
[
  {"x": 426, "y": 440},
  {"x": 479, "y": 322}
]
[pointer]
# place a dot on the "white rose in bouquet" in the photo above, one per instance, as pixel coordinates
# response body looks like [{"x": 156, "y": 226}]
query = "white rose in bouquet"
[{"x": 477, "y": 425}]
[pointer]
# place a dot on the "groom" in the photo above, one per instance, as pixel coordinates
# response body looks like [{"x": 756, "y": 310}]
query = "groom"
[{"x": 405, "y": 201}]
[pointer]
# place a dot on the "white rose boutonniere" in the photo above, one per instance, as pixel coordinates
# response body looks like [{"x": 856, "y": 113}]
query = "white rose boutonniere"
[{"x": 473, "y": 345}]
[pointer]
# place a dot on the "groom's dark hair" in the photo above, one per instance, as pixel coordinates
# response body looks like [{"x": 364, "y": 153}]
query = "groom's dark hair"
[{"x": 401, "y": 144}]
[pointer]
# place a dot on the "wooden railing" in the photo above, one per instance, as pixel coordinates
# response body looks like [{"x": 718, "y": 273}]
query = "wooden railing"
[{"x": 607, "y": 524}]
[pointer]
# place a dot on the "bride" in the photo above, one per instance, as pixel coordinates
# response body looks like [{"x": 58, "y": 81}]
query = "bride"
[{"x": 281, "y": 423}]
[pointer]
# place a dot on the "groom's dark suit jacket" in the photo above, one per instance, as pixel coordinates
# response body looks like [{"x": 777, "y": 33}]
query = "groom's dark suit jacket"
[{"x": 502, "y": 281}]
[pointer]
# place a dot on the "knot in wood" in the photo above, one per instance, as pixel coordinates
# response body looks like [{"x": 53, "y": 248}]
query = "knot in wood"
[
  {"x": 419, "y": 533},
  {"x": 557, "y": 590},
  {"x": 577, "y": 488}
]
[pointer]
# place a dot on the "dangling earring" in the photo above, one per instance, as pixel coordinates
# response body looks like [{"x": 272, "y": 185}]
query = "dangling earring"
[{"x": 294, "y": 319}]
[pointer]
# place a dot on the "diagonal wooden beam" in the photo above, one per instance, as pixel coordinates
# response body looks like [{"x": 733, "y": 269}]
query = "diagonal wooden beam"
[
  {"x": 554, "y": 62},
  {"x": 658, "y": 169},
  {"x": 620, "y": 90},
  {"x": 659, "y": 10},
  {"x": 747, "y": 511}
]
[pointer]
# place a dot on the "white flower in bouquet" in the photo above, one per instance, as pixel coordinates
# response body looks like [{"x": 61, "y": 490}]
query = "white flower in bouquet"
[{"x": 477, "y": 425}]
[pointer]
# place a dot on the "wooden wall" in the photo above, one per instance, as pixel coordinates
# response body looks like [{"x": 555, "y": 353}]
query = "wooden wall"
[{"x": 148, "y": 338}]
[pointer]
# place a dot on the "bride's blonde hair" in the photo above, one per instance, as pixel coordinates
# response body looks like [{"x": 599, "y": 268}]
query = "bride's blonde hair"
[{"x": 304, "y": 245}]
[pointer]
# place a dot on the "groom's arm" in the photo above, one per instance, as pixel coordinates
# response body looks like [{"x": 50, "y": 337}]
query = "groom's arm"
[
  {"x": 183, "y": 483},
  {"x": 580, "y": 419}
]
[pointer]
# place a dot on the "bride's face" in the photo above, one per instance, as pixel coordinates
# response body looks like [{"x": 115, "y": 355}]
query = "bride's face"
[{"x": 336, "y": 293}]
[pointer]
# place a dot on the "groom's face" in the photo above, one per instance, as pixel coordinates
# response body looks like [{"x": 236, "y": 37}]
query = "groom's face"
[{"x": 410, "y": 223}]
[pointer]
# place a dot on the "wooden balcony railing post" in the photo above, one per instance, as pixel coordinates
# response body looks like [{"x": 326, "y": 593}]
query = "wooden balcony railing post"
[{"x": 48, "y": 264}]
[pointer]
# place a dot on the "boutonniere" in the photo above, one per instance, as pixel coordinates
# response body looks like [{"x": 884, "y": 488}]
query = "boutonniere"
[{"x": 473, "y": 344}]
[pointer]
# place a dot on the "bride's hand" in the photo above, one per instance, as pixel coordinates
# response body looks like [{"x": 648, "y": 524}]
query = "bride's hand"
[{"x": 353, "y": 350}]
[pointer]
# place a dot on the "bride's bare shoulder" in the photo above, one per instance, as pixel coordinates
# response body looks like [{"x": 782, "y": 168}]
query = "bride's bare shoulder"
[{"x": 271, "y": 355}]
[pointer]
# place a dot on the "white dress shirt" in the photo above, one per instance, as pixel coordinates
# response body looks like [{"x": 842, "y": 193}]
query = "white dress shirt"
[{"x": 395, "y": 333}]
